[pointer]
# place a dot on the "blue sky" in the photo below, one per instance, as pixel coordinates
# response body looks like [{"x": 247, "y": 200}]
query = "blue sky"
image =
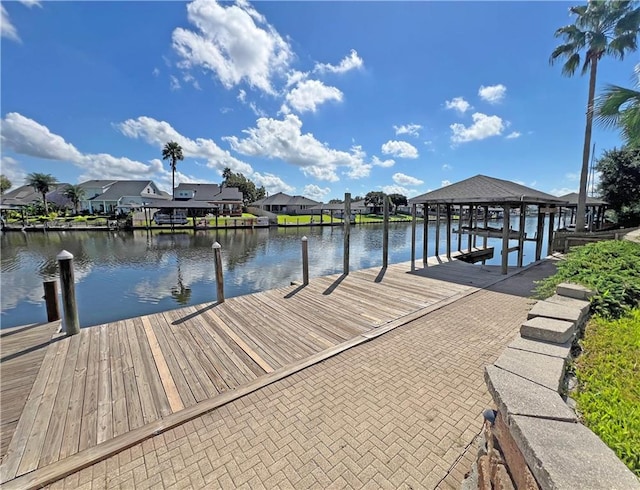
[{"x": 311, "y": 98}]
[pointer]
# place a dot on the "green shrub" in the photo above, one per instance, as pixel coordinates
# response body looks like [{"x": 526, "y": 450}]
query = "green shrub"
[
  {"x": 611, "y": 268},
  {"x": 608, "y": 393}
]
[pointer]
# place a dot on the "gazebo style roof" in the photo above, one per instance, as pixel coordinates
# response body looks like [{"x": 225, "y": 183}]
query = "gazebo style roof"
[
  {"x": 572, "y": 199},
  {"x": 486, "y": 190}
]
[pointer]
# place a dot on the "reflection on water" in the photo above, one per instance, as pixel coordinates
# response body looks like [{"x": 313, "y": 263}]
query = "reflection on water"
[{"x": 123, "y": 274}]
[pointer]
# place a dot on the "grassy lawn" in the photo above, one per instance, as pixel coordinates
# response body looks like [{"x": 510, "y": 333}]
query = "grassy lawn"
[
  {"x": 608, "y": 393},
  {"x": 287, "y": 219}
]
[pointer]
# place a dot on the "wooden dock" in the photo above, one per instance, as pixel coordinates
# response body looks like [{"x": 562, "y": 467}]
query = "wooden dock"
[{"x": 113, "y": 385}]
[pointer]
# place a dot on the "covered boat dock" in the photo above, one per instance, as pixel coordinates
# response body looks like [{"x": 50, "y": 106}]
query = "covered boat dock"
[{"x": 473, "y": 197}]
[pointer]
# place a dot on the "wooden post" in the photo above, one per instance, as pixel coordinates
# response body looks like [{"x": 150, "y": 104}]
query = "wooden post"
[
  {"x": 552, "y": 218},
  {"x": 539, "y": 233},
  {"x": 521, "y": 225},
  {"x": 485, "y": 238},
  {"x": 67, "y": 284},
  {"x": 425, "y": 236},
  {"x": 331, "y": 215},
  {"x": 460, "y": 229},
  {"x": 470, "y": 236},
  {"x": 217, "y": 260},
  {"x": 449, "y": 231},
  {"x": 51, "y": 300},
  {"x": 385, "y": 232},
  {"x": 414, "y": 220},
  {"x": 505, "y": 239},
  {"x": 347, "y": 230},
  {"x": 305, "y": 260},
  {"x": 475, "y": 229},
  {"x": 437, "y": 230}
]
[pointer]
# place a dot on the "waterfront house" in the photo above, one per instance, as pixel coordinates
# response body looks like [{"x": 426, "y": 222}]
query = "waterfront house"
[
  {"x": 281, "y": 203},
  {"x": 26, "y": 194},
  {"x": 221, "y": 200},
  {"x": 110, "y": 196}
]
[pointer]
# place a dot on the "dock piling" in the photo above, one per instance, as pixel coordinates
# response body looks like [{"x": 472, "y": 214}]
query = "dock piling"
[
  {"x": 51, "y": 300},
  {"x": 347, "y": 230},
  {"x": 305, "y": 260},
  {"x": 385, "y": 233},
  {"x": 67, "y": 284},
  {"x": 217, "y": 259}
]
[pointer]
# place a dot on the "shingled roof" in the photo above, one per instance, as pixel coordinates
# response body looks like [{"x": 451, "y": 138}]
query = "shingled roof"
[
  {"x": 282, "y": 199},
  {"x": 486, "y": 190},
  {"x": 572, "y": 199}
]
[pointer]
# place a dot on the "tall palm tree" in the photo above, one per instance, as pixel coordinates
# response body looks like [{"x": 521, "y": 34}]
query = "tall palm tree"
[
  {"x": 76, "y": 194},
  {"x": 601, "y": 27},
  {"x": 172, "y": 151},
  {"x": 42, "y": 183},
  {"x": 619, "y": 106}
]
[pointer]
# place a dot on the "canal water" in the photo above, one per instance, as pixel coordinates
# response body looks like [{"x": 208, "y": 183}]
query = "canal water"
[{"x": 121, "y": 274}]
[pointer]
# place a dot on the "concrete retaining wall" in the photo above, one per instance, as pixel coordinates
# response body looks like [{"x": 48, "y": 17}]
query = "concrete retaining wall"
[{"x": 534, "y": 440}]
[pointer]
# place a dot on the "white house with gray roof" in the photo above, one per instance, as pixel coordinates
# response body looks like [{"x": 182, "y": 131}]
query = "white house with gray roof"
[
  {"x": 282, "y": 203},
  {"x": 107, "y": 196}
]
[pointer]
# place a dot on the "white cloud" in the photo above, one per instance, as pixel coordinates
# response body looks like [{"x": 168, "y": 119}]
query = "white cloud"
[
  {"x": 400, "y": 149},
  {"x": 483, "y": 127},
  {"x": 406, "y": 180},
  {"x": 12, "y": 170},
  {"x": 572, "y": 176},
  {"x": 155, "y": 72},
  {"x": 412, "y": 129},
  {"x": 174, "y": 83},
  {"x": 446, "y": 166},
  {"x": 7, "y": 29},
  {"x": 350, "y": 62},
  {"x": 396, "y": 189},
  {"x": 272, "y": 183},
  {"x": 31, "y": 3},
  {"x": 234, "y": 42},
  {"x": 315, "y": 192},
  {"x": 28, "y": 137},
  {"x": 242, "y": 96},
  {"x": 159, "y": 132},
  {"x": 493, "y": 93},
  {"x": 561, "y": 191},
  {"x": 308, "y": 94},
  {"x": 445, "y": 183},
  {"x": 189, "y": 78},
  {"x": 458, "y": 104},
  {"x": 284, "y": 140},
  {"x": 383, "y": 163},
  {"x": 513, "y": 135}
]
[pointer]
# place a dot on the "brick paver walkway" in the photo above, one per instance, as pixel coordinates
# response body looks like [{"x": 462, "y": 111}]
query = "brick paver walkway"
[{"x": 396, "y": 412}]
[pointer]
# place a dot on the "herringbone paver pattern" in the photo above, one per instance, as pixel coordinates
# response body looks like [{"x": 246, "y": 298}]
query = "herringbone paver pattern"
[{"x": 396, "y": 412}]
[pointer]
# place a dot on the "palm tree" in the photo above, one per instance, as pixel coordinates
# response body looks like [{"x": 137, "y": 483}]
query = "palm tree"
[
  {"x": 172, "y": 151},
  {"x": 619, "y": 106},
  {"x": 42, "y": 183},
  {"x": 76, "y": 194},
  {"x": 601, "y": 27}
]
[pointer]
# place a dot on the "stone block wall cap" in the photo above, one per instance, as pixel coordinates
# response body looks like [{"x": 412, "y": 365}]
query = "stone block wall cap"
[
  {"x": 544, "y": 370},
  {"x": 542, "y": 347},
  {"x": 552, "y": 310},
  {"x": 515, "y": 395},
  {"x": 548, "y": 329},
  {"x": 568, "y": 455},
  {"x": 577, "y": 291}
]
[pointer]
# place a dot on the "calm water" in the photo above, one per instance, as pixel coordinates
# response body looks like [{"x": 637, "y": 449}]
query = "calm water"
[{"x": 124, "y": 274}]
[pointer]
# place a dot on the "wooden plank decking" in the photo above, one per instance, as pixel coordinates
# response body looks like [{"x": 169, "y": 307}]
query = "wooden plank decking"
[
  {"x": 114, "y": 378},
  {"x": 22, "y": 350}
]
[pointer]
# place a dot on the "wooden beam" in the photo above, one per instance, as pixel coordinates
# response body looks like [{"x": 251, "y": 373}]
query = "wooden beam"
[
  {"x": 437, "y": 230},
  {"x": 460, "y": 228},
  {"x": 470, "y": 237},
  {"x": 425, "y": 236},
  {"x": 385, "y": 232},
  {"x": 449, "y": 231},
  {"x": 414, "y": 219},
  {"x": 505, "y": 239},
  {"x": 346, "y": 222},
  {"x": 521, "y": 233},
  {"x": 486, "y": 226},
  {"x": 552, "y": 218},
  {"x": 539, "y": 233}
]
